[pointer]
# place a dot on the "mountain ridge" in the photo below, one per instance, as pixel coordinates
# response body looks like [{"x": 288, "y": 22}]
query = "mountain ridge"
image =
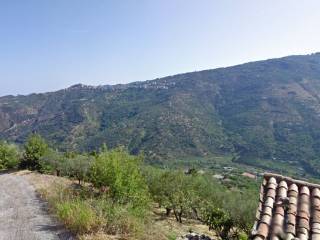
[
  {"x": 260, "y": 113},
  {"x": 121, "y": 85}
]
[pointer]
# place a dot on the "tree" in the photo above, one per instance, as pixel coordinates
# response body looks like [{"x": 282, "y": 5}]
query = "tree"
[
  {"x": 78, "y": 166},
  {"x": 173, "y": 190},
  {"x": 34, "y": 149},
  {"x": 9, "y": 155},
  {"x": 244, "y": 216},
  {"x": 218, "y": 220},
  {"x": 54, "y": 161}
]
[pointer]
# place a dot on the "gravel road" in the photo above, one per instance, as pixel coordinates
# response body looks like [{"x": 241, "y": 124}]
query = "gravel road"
[{"x": 23, "y": 215}]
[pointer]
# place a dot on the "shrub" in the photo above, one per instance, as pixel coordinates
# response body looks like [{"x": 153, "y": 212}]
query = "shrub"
[
  {"x": 120, "y": 172},
  {"x": 9, "y": 156},
  {"x": 34, "y": 149}
]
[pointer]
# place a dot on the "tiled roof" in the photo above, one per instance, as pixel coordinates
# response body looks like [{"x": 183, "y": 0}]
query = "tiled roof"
[{"x": 288, "y": 209}]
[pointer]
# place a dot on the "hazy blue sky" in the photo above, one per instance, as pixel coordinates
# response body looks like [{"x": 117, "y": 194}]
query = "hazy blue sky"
[{"x": 51, "y": 44}]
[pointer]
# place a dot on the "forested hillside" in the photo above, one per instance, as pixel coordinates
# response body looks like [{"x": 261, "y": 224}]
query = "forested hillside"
[{"x": 260, "y": 113}]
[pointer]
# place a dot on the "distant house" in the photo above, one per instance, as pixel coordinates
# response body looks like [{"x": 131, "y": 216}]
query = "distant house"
[
  {"x": 228, "y": 168},
  {"x": 288, "y": 209},
  {"x": 218, "y": 176},
  {"x": 249, "y": 175}
]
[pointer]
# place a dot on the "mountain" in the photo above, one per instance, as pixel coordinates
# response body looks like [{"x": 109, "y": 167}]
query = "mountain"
[{"x": 260, "y": 113}]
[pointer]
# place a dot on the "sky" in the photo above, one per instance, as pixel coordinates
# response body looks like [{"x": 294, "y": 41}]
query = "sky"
[{"x": 46, "y": 45}]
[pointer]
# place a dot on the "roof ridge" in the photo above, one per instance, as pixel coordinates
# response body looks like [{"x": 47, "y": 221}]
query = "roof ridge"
[{"x": 291, "y": 180}]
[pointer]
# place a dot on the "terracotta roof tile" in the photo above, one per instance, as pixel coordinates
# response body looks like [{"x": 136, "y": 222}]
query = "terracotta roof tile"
[
  {"x": 279, "y": 210},
  {"x": 316, "y": 216},
  {"x": 269, "y": 202},
  {"x": 293, "y": 194},
  {"x": 316, "y": 193},
  {"x": 291, "y": 219},
  {"x": 263, "y": 230},
  {"x": 293, "y": 200},
  {"x": 290, "y": 236},
  {"x": 277, "y": 220},
  {"x": 282, "y": 192},
  {"x": 315, "y": 237},
  {"x": 287, "y": 206},
  {"x": 316, "y": 202},
  {"x": 292, "y": 209},
  {"x": 271, "y": 193},
  {"x": 303, "y": 224},
  {"x": 315, "y": 231},
  {"x": 315, "y": 226},
  {"x": 305, "y": 190},
  {"x": 291, "y": 229},
  {"x": 293, "y": 187},
  {"x": 283, "y": 184}
]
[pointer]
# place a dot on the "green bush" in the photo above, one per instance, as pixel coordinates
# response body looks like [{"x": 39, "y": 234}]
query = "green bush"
[
  {"x": 121, "y": 174},
  {"x": 9, "y": 156},
  {"x": 34, "y": 149}
]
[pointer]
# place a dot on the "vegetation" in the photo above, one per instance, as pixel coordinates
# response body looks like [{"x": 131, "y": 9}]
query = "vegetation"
[
  {"x": 200, "y": 197},
  {"x": 9, "y": 156},
  {"x": 115, "y": 192},
  {"x": 263, "y": 114},
  {"x": 34, "y": 149},
  {"x": 120, "y": 173}
]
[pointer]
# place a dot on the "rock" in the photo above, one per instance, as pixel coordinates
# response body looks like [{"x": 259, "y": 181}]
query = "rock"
[{"x": 194, "y": 236}]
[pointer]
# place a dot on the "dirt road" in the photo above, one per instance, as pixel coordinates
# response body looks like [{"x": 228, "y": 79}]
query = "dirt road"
[{"x": 23, "y": 215}]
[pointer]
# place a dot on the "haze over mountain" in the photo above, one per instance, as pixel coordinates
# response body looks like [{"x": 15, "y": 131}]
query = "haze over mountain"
[{"x": 260, "y": 113}]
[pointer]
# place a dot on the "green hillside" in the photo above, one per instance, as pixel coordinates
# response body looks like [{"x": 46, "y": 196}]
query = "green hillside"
[{"x": 260, "y": 113}]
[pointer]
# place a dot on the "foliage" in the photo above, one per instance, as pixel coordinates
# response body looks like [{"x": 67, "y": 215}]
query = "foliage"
[
  {"x": 55, "y": 161},
  {"x": 77, "y": 166},
  {"x": 217, "y": 219},
  {"x": 9, "y": 156},
  {"x": 243, "y": 217},
  {"x": 34, "y": 149},
  {"x": 200, "y": 197},
  {"x": 120, "y": 172}
]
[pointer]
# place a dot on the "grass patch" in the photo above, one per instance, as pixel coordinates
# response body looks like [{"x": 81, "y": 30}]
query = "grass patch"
[
  {"x": 92, "y": 216},
  {"x": 78, "y": 216}
]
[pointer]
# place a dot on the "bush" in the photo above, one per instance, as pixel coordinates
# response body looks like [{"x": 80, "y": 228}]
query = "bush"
[
  {"x": 120, "y": 173},
  {"x": 9, "y": 156},
  {"x": 34, "y": 149}
]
